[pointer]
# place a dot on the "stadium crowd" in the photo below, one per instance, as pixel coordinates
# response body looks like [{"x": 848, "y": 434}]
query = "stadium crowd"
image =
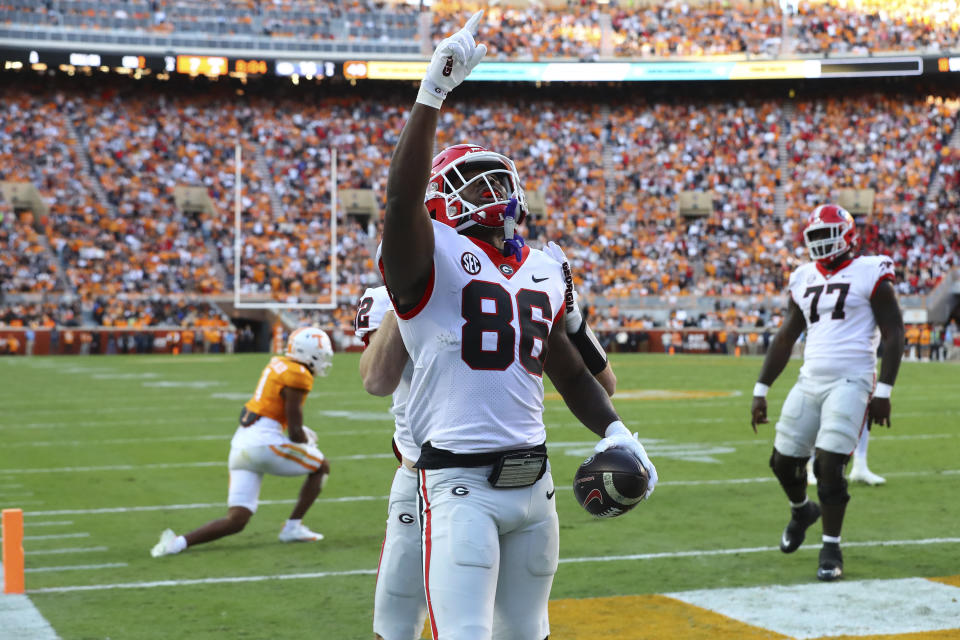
[
  {"x": 537, "y": 31},
  {"x": 609, "y": 176}
]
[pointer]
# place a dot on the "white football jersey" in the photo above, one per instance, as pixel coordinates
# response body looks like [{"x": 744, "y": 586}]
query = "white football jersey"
[
  {"x": 842, "y": 333},
  {"x": 374, "y": 303},
  {"x": 478, "y": 341}
]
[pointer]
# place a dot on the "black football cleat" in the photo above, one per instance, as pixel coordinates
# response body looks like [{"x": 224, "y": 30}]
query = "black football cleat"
[
  {"x": 801, "y": 518},
  {"x": 831, "y": 562}
]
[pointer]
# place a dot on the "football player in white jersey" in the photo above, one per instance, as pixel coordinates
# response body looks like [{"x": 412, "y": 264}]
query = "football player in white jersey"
[
  {"x": 477, "y": 312},
  {"x": 400, "y": 606},
  {"x": 847, "y": 306}
]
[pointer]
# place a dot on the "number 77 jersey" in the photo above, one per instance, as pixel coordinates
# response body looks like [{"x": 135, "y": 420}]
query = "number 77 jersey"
[
  {"x": 842, "y": 333},
  {"x": 478, "y": 340}
]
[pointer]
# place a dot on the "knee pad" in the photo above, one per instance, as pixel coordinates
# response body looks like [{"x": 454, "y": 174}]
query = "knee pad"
[
  {"x": 831, "y": 485},
  {"x": 790, "y": 471}
]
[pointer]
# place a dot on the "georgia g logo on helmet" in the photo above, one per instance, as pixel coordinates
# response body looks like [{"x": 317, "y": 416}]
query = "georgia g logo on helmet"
[{"x": 830, "y": 232}]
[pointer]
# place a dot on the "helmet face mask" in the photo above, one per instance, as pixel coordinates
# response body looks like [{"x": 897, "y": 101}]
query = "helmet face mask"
[
  {"x": 470, "y": 185},
  {"x": 830, "y": 232},
  {"x": 312, "y": 348}
]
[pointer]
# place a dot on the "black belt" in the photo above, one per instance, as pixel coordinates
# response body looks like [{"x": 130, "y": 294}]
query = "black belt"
[
  {"x": 512, "y": 469},
  {"x": 432, "y": 457}
]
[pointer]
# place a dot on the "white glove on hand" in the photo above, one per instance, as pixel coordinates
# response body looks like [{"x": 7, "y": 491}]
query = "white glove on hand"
[
  {"x": 617, "y": 435},
  {"x": 452, "y": 61},
  {"x": 311, "y": 435},
  {"x": 573, "y": 316}
]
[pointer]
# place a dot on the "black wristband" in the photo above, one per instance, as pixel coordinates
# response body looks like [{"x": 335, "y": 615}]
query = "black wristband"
[{"x": 589, "y": 348}]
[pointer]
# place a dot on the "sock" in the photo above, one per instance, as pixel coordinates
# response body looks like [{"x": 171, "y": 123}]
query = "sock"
[
  {"x": 831, "y": 539},
  {"x": 797, "y": 505},
  {"x": 291, "y": 524},
  {"x": 179, "y": 544},
  {"x": 860, "y": 454}
]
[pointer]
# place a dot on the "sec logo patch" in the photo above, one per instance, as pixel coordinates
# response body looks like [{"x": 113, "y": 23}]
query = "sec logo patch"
[{"x": 470, "y": 263}]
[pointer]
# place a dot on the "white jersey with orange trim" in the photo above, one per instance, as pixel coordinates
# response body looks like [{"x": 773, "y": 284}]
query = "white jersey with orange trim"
[
  {"x": 373, "y": 304},
  {"x": 842, "y": 333},
  {"x": 478, "y": 341}
]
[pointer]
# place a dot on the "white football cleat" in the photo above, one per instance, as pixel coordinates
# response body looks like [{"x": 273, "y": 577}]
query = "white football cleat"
[
  {"x": 860, "y": 473},
  {"x": 165, "y": 546},
  {"x": 299, "y": 533}
]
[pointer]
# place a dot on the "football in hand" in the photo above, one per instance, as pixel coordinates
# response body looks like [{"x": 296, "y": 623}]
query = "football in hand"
[{"x": 610, "y": 483}]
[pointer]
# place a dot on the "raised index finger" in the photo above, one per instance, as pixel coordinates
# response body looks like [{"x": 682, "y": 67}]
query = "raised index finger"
[{"x": 472, "y": 23}]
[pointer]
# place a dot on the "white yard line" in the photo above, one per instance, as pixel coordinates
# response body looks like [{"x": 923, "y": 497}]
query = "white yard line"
[
  {"x": 58, "y": 536},
  {"x": 366, "y": 572},
  {"x": 210, "y": 505},
  {"x": 77, "y": 567},
  {"x": 179, "y": 507},
  {"x": 50, "y": 552}
]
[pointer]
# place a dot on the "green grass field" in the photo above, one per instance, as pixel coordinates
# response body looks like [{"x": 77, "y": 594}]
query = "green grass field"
[{"x": 102, "y": 453}]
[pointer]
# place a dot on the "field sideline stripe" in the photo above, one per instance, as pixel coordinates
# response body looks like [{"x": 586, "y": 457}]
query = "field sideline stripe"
[
  {"x": 370, "y": 572},
  {"x": 210, "y": 505}
]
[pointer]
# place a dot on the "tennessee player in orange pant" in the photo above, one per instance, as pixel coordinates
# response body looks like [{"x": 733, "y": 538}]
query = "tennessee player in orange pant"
[{"x": 271, "y": 439}]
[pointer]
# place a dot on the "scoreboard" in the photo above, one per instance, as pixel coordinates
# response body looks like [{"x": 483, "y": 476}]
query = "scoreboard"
[{"x": 215, "y": 66}]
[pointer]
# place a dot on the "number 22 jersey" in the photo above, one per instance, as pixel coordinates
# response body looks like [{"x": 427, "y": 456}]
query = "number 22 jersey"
[
  {"x": 478, "y": 341},
  {"x": 842, "y": 333}
]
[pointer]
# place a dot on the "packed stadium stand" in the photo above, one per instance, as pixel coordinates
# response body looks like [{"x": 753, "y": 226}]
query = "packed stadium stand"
[{"x": 112, "y": 243}]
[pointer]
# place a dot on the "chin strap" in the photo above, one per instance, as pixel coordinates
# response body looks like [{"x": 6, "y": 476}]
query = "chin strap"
[{"x": 512, "y": 242}]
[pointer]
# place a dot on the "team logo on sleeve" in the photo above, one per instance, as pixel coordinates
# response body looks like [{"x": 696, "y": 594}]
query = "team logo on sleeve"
[{"x": 470, "y": 263}]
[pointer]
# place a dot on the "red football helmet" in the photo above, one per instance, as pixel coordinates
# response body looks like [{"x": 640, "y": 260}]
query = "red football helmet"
[
  {"x": 447, "y": 183},
  {"x": 830, "y": 232}
]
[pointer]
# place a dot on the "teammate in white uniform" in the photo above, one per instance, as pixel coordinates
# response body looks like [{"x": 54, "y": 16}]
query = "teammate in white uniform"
[
  {"x": 271, "y": 439},
  {"x": 848, "y": 306},
  {"x": 477, "y": 312},
  {"x": 400, "y": 606}
]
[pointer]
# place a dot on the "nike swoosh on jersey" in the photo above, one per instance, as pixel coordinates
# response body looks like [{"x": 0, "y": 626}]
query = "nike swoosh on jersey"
[
  {"x": 536, "y": 279},
  {"x": 550, "y": 494}
]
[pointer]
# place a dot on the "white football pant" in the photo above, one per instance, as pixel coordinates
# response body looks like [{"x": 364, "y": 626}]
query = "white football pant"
[
  {"x": 487, "y": 552},
  {"x": 248, "y": 464},
  {"x": 400, "y": 606},
  {"x": 826, "y": 412}
]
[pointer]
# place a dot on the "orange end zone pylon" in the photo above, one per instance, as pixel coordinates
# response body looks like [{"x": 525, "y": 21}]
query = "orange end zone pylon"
[{"x": 13, "y": 551}]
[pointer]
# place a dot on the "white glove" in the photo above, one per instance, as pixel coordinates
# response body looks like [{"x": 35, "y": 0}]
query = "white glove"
[
  {"x": 573, "y": 316},
  {"x": 617, "y": 435},
  {"x": 452, "y": 61},
  {"x": 311, "y": 435}
]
